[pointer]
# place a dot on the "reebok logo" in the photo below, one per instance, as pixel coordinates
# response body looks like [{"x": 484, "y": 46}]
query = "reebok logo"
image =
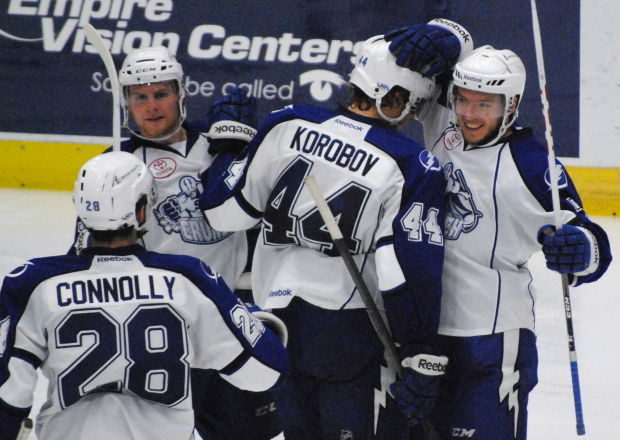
[
  {"x": 108, "y": 259},
  {"x": 281, "y": 292},
  {"x": 232, "y": 128},
  {"x": 471, "y": 78},
  {"x": 447, "y": 23},
  {"x": 349, "y": 125},
  {"x": 427, "y": 364},
  {"x": 431, "y": 366}
]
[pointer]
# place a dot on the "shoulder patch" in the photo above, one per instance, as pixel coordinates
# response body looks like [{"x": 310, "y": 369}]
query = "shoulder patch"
[
  {"x": 562, "y": 179},
  {"x": 18, "y": 271},
  {"x": 428, "y": 161}
]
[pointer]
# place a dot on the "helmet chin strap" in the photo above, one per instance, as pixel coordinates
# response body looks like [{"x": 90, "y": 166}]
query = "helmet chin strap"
[{"x": 160, "y": 140}]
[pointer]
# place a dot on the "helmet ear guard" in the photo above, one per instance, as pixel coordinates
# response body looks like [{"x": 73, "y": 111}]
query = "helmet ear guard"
[
  {"x": 495, "y": 71},
  {"x": 147, "y": 66},
  {"x": 108, "y": 190},
  {"x": 376, "y": 74}
]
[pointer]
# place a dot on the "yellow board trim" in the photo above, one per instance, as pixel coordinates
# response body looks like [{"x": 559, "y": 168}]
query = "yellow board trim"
[
  {"x": 43, "y": 165},
  {"x": 599, "y": 189},
  {"x": 53, "y": 166}
]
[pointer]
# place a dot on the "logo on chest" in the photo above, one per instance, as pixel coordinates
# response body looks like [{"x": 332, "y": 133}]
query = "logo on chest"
[
  {"x": 162, "y": 167},
  {"x": 462, "y": 215},
  {"x": 452, "y": 138}
]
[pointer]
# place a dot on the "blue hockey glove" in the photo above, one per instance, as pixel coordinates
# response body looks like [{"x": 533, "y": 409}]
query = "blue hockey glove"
[
  {"x": 566, "y": 250},
  {"x": 417, "y": 390},
  {"x": 424, "y": 48},
  {"x": 232, "y": 122},
  {"x": 270, "y": 320}
]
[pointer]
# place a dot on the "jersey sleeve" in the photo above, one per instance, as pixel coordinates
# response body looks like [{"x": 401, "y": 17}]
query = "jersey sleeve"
[
  {"x": 243, "y": 184},
  {"x": 228, "y": 338},
  {"x": 410, "y": 259},
  {"x": 531, "y": 159},
  {"x": 18, "y": 363}
]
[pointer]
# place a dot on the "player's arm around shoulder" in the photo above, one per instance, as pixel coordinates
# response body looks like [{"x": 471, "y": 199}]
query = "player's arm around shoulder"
[{"x": 230, "y": 338}]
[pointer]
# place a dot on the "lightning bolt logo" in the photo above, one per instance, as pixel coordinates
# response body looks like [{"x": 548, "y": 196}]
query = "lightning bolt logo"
[
  {"x": 510, "y": 377},
  {"x": 387, "y": 377}
]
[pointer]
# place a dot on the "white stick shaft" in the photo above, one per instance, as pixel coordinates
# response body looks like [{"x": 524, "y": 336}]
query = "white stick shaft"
[
  {"x": 95, "y": 39},
  {"x": 555, "y": 194},
  {"x": 540, "y": 63}
]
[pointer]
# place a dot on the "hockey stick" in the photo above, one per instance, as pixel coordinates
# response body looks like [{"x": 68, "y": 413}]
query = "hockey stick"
[
  {"x": 373, "y": 313},
  {"x": 95, "y": 39},
  {"x": 553, "y": 178},
  {"x": 371, "y": 308}
]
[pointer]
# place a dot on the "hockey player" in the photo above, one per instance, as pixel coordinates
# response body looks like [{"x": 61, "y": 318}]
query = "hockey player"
[
  {"x": 387, "y": 193},
  {"x": 178, "y": 152},
  {"x": 499, "y": 211},
  {"x": 118, "y": 329}
]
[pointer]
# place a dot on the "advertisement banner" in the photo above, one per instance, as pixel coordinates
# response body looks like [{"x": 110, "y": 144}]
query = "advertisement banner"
[{"x": 52, "y": 82}]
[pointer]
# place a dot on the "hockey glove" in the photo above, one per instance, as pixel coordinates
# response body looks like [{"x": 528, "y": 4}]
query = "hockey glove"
[
  {"x": 271, "y": 321},
  {"x": 417, "y": 390},
  {"x": 566, "y": 250},
  {"x": 424, "y": 48},
  {"x": 232, "y": 120}
]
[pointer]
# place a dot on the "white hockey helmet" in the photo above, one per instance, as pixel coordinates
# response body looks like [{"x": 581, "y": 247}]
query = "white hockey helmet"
[
  {"x": 147, "y": 66},
  {"x": 108, "y": 189},
  {"x": 495, "y": 71},
  {"x": 376, "y": 73}
]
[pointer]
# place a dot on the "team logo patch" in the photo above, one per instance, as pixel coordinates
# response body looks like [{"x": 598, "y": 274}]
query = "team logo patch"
[
  {"x": 209, "y": 272},
  {"x": 562, "y": 179},
  {"x": 428, "y": 161},
  {"x": 452, "y": 138},
  {"x": 162, "y": 167},
  {"x": 462, "y": 215},
  {"x": 181, "y": 214},
  {"x": 19, "y": 270}
]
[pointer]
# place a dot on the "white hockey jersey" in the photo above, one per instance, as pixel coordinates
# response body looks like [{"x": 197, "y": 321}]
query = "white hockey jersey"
[
  {"x": 178, "y": 225},
  {"x": 385, "y": 191},
  {"x": 117, "y": 332},
  {"x": 497, "y": 199}
]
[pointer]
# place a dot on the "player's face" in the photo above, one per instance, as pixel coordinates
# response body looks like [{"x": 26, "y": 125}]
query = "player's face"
[
  {"x": 396, "y": 107},
  {"x": 479, "y": 114},
  {"x": 155, "y": 108}
]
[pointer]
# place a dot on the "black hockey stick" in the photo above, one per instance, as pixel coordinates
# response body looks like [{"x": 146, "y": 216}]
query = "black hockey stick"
[
  {"x": 553, "y": 178},
  {"x": 373, "y": 312},
  {"x": 371, "y": 308}
]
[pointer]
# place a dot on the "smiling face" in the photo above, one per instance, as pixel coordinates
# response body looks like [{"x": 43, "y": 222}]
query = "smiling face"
[
  {"x": 155, "y": 109},
  {"x": 479, "y": 114}
]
